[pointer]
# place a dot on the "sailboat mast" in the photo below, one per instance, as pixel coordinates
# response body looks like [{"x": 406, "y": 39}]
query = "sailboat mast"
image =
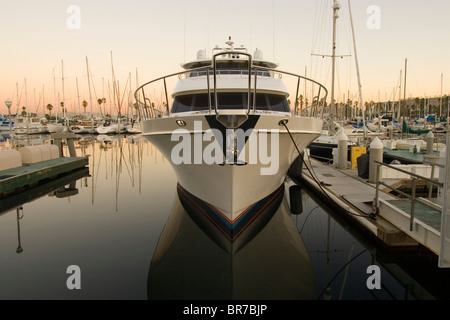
[
  {"x": 17, "y": 95},
  {"x": 34, "y": 97},
  {"x": 78, "y": 95},
  {"x": 54, "y": 96},
  {"x": 404, "y": 85},
  {"x": 90, "y": 95},
  {"x": 357, "y": 71},
  {"x": 400, "y": 96},
  {"x": 440, "y": 104},
  {"x": 26, "y": 96},
  {"x": 64, "y": 100},
  {"x": 336, "y": 7}
]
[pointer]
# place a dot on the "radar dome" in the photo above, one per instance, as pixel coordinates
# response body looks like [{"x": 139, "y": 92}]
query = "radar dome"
[
  {"x": 258, "y": 54},
  {"x": 201, "y": 55}
]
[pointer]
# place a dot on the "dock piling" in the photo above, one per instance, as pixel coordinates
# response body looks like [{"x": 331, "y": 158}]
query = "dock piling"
[
  {"x": 430, "y": 141},
  {"x": 69, "y": 137},
  {"x": 342, "y": 151},
  {"x": 376, "y": 154},
  {"x": 444, "y": 254}
]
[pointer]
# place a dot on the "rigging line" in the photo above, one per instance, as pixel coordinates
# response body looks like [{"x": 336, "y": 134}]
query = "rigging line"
[
  {"x": 317, "y": 32},
  {"x": 314, "y": 25},
  {"x": 314, "y": 176},
  {"x": 343, "y": 267},
  {"x": 304, "y": 222}
]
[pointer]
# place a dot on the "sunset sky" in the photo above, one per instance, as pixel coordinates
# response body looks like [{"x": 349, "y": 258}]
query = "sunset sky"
[{"x": 151, "y": 38}]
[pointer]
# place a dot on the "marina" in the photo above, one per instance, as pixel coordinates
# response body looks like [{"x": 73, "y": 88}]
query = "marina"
[
  {"x": 255, "y": 169},
  {"x": 108, "y": 229}
]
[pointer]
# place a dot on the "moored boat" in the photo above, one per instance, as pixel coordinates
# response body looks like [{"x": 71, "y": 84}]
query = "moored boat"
[
  {"x": 30, "y": 125},
  {"x": 110, "y": 127},
  {"x": 226, "y": 147}
]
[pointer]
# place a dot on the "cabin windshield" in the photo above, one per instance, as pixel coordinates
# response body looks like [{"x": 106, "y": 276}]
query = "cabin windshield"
[
  {"x": 231, "y": 67},
  {"x": 227, "y": 100}
]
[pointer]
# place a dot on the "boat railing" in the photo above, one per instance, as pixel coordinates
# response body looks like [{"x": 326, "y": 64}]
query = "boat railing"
[
  {"x": 150, "y": 107},
  {"x": 219, "y": 73},
  {"x": 414, "y": 179}
]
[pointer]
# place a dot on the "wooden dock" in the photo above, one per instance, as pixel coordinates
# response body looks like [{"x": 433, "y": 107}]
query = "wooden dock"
[
  {"x": 28, "y": 175},
  {"x": 353, "y": 197},
  {"x": 44, "y": 188}
]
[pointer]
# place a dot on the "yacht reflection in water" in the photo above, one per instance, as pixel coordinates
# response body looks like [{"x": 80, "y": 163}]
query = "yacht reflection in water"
[{"x": 202, "y": 255}]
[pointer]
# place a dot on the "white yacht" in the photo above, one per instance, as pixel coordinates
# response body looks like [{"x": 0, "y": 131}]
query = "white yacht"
[
  {"x": 6, "y": 124},
  {"x": 110, "y": 127},
  {"x": 30, "y": 125},
  {"x": 83, "y": 126},
  {"x": 55, "y": 127},
  {"x": 227, "y": 148}
]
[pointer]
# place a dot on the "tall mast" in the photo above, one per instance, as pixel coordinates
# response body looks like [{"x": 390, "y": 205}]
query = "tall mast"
[
  {"x": 90, "y": 95},
  {"x": 17, "y": 95},
  {"x": 78, "y": 95},
  {"x": 357, "y": 70},
  {"x": 26, "y": 96},
  {"x": 336, "y": 7},
  {"x": 54, "y": 96},
  {"x": 399, "y": 96},
  {"x": 404, "y": 86},
  {"x": 64, "y": 100},
  {"x": 440, "y": 104},
  {"x": 34, "y": 97}
]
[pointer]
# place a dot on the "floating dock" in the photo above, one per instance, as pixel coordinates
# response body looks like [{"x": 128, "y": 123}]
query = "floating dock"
[
  {"x": 28, "y": 175},
  {"x": 388, "y": 222},
  {"x": 346, "y": 193},
  {"x": 30, "y": 166},
  {"x": 57, "y": 185}
]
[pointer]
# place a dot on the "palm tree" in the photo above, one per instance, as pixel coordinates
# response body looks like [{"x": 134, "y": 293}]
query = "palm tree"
[
  {"x": 300, "y": 101},
  {"x": 100, "y": 101},
  {"x": 50, "y": 108},
  {"x": 63, "y": 108},
  {"x": 84, "y": 104}
]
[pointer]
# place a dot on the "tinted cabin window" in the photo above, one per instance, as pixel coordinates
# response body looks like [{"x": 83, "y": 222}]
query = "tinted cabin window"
[
  {"x": 199, "y": 102},
  {"x": 278, "y": 103}
]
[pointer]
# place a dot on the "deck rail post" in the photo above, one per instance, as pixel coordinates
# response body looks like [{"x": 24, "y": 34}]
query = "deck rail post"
[
  {"x": 377, "y": 179},
  {"x": 413, "y": 201}
]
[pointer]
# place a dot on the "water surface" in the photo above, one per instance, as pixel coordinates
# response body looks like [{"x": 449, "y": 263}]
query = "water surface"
[{"x": 123, "y": 224}]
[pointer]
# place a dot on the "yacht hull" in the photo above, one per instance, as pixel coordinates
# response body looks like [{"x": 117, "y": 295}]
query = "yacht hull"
[{"x": 256, "y": 167}]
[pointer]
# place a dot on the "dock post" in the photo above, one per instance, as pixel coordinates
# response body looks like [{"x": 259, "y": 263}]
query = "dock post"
[
  {"x": 376, "y": 154},
  {"x": 342, "y": 151},
  {"x": 376, "y": 202},
  {"x": 413, "y": 199},
  {"x": 441, "y": 179},
  {"x": 444, "y": 252},
  {"x": 71, "y": 145},
  {"x": 430, "y": 141},
  {"x": 69, "y": 137}
]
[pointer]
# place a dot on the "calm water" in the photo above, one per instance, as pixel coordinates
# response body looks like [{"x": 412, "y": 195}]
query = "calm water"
[{"x": 125, "y": 226}]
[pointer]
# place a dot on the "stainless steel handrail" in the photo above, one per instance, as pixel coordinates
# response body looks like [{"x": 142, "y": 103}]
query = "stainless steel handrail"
[
  {"x": 413, "y": 198},
  {"x": 214, "y": 60},
  {"x": 317, "y": 101}
]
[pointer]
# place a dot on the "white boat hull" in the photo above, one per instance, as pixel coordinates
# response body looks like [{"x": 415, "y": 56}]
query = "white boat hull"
[
  {"x": 111, "y": 129},
  {"x": 30, "y": 130},
  {"x": 233, "y": 187},
  {"x": 54, "y": 128},
  {"x": 81, "y": 129}
]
